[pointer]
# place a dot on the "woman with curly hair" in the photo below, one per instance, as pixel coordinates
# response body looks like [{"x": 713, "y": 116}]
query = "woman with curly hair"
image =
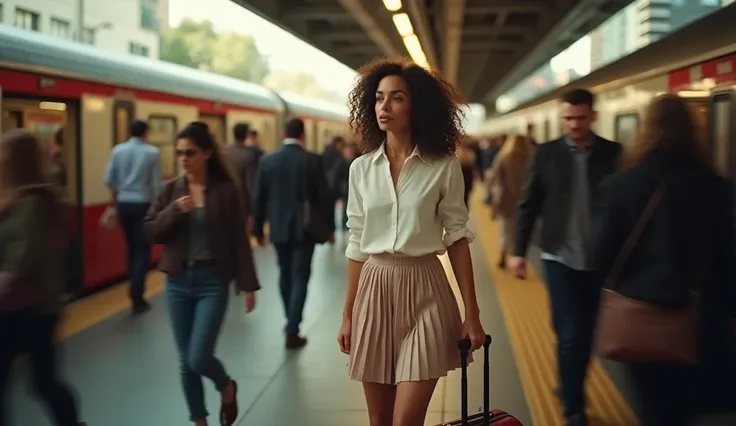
[{"x": 401, "y": 322}]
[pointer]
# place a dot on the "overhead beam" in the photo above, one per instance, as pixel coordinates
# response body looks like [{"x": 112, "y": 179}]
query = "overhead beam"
[
  {"x": 360, "y": 49},
  {"x": 489, "y": 46},
  {"x": 371, "y": 24},
  {"x": 488, "y": 30},
  {"x": 559, "y": 26},
  {"x": 341, "y": 35},
  {"x": 486, "y": 79},
  {"x": 269, "y": 11},
  {"x": 419, "y": 18},
  {"x": 509, "y": 6},
  {"x": 453, "y": 17},
  {"x": 315, "y": 12}
]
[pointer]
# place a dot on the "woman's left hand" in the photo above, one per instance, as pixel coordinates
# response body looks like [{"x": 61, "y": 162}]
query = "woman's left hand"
[
  {"x": 250, "y": 301},
  {"x": 474, "y": 330}
]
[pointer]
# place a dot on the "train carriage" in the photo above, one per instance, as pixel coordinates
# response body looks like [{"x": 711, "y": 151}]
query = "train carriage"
[
  {"x": 701, "y": 70},
  {"x": 84, "y": 99}
]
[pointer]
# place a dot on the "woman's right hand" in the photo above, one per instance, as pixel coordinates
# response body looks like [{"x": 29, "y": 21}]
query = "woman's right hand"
[
  {"x": 185, "y": 204},
  {"x": 343, "y": 337}
]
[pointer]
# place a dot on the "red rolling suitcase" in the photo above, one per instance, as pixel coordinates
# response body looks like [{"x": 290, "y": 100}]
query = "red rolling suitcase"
[{"x": 494, "y": 417}]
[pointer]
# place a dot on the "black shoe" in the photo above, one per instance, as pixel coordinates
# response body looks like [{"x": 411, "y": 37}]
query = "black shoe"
[
  {"x": 141, "y": 307},
  {"x": 576, "y": 420},
  {"x": 295, "y": 341},
  {"x": 229, "y": 411}
]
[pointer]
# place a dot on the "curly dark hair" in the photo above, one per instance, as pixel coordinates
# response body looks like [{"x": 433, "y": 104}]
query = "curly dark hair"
[{"x": 436, "y": 114}]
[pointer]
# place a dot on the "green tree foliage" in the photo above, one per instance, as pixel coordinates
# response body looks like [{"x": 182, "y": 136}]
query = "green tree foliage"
[
  {"x": 302, "y": 84},
  {"x": 198, "y": 45},
  {"x": 237, "y": 56}
]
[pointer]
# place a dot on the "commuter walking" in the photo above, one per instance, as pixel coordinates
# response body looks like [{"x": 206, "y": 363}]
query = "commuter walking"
[
  {"x": 506, "y": 181},
  {"x": 291, "y": 182},
  {"x": 401, "y": 323},
  {"x": 679, "y": 268},
  {"x": 32, "y": 229},
  {"x": 561, "y": 185},
  {"x": 198, "y": 218},
  {"x": 133, "y": 175},
  {"x": 244, "y": 163},
  {"x": 338, "y": 178}
]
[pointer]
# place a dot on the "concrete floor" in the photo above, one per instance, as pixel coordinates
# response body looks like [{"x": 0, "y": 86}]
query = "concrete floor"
[{"x": 125, "y": 368}]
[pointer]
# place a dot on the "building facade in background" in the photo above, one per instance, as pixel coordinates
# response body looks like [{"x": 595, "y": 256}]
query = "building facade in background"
[
  {"x": 644, "y": 22},
  {"x": 126, "y": 26}
]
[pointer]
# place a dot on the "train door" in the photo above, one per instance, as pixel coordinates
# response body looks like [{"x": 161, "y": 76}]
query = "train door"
[
  {"x": 123, "y": 112},
  {"x": 162, "y": 130},
  {"x": 699, "y": 108},
  {"x": 722, "y": 137},
  {"x": 217, "y": 127},
  {"x": 56, "y": 124}
]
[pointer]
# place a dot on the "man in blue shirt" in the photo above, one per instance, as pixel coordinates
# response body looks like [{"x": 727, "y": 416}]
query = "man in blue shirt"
[{"x": 134, "y": 175}]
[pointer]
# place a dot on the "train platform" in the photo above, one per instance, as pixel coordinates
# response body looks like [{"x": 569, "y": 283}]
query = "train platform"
[{"x": 125, "y": 367}]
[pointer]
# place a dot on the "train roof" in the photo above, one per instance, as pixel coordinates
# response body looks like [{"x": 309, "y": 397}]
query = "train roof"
[
  {"x": 301, "y": 105},
  {"x": 49, "y": 54}
]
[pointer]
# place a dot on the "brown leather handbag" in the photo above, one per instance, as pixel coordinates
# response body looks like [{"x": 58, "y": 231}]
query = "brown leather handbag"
[{"x": 634, "y": 331}]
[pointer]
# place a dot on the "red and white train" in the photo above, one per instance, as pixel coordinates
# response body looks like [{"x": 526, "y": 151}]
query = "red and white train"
[{"x": 48, "y": 84}]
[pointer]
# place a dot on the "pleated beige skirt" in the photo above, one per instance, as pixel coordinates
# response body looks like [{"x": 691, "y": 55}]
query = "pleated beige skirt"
[{"x": 406, "y": 323}]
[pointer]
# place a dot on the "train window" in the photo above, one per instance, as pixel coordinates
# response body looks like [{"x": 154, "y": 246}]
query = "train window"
[
  {"x": 123, "y": 112},
  {"x": 216, "y": 124},
  {"x": 626, "y": 127},
  {"x": 722, "y": 146},
  {"x": 162, "y": 133},
  {"x": 12, "y": 120}
]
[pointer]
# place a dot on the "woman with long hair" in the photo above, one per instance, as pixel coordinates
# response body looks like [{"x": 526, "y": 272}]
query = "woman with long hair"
[
  {"x": 199, "y": 218},
  {"x": 401, "y": 324},
  {"x": 507, "y": 179},
  {"x": 31, "y": 236},
  {"x": 687, "y": 245}
]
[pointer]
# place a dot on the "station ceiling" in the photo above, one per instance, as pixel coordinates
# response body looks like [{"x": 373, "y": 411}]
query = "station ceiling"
[{"x": 483, "y": 46}]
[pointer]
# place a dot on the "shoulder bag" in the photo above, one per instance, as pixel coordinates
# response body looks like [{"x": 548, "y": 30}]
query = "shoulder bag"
[{"x": 635, "y": 331}]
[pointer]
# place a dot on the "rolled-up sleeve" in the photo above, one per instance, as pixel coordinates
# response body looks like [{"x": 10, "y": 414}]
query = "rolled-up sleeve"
[
  {"x": 356, "y": 216},
  {"x": 452, "y": 211}
]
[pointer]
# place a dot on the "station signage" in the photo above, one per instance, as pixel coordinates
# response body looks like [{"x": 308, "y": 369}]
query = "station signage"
[{"x": 720, "y": 71}]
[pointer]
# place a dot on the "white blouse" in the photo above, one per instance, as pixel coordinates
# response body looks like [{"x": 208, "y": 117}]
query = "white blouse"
[{"x": 425, "y": 214}]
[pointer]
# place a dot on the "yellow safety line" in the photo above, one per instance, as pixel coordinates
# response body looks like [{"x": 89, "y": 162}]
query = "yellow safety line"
[
  {"x": 526, "y": 311},
  {"x": 91, "y": 310}
]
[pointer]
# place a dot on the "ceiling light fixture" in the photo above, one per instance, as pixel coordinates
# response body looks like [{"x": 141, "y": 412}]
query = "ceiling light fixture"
[{"x": 392, "y": 5}]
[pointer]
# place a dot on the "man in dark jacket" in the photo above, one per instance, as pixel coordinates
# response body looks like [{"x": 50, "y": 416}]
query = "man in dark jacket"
[
  {"x": 561, "y": 186},
  {"x": 290, "y": 187}
]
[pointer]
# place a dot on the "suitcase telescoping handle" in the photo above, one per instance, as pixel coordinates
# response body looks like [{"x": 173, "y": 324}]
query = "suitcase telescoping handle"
[{"x": 464, "y": 346}]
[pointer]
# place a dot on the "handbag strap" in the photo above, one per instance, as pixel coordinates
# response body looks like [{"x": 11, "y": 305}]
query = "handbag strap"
[{"x": 634, "y": 236}]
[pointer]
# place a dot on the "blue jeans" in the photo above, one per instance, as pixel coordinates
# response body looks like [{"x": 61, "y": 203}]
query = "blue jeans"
[
  {"x": 574, "y": 297},
  {"x": 197, "y": 300},
  {"x": 295, "y": 268},
  {"x": 130, "y": 216}
]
